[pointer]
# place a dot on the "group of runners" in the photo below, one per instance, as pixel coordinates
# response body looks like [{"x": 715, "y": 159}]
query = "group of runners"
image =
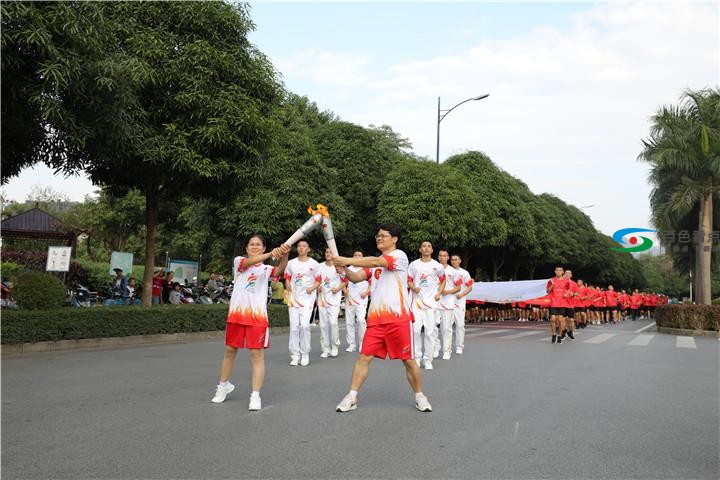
[
  {"x": 413, "y": 310},
  {"x": 576, "y": 304}
]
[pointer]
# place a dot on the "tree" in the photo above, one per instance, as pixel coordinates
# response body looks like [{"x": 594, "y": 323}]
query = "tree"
[
  {"x": 430, "y": 202},
  {"x": 684, "y": 155},
  {"x": 64, "y": 87},
  {"x": 180, "y": 101}
]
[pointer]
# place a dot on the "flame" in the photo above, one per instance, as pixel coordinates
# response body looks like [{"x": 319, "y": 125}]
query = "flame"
[{"x": 319, "y": 208}]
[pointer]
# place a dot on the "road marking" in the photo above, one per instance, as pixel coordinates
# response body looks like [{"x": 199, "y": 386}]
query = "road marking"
[
  {"x": 489, "y": 332},
  {"x": 603, "y": 337},
  {"x": 685, "y": 342},
  {"x": 521, "y": 334},
  {"x": 641, "y": 340},
  {"x": 644, "y": 328},
  {"x": 517, "y": 428}
]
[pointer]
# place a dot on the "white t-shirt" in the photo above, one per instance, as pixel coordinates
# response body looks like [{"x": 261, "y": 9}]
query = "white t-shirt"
[
  {"x": 427, "y": 276},
  {"x": 302, "y": 275},
  {"x": 452, "y": 280},
  {"x": 354, "y": 290},
  {"x": 248, "y": 304},
  {"x": 465, "y": 281},
  {"x": 329, "y": 279},
  {"x": 390, "y": 302}
]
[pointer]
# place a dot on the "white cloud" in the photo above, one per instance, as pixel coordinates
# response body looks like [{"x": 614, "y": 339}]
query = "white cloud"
[{"x": 567, "y": 109}]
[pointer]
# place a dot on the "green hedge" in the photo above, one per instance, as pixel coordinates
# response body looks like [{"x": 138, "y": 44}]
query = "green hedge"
[
  {"x": 68, "y": 323},
  {"x": 689, "y": 317}
]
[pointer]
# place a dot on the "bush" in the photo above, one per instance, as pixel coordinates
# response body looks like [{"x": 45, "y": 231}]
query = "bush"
[
  {"x": 9, "y": 269},
  {"x": 689, "y": 317},
  {"x": 34, "y": 290},
  {"x": 119, "y": 321}
]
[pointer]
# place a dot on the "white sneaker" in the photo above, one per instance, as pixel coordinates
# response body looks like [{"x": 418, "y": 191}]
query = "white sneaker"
[
  {"x": 334, "y": 352},
  {"x": 436, "y": 354},
  {"x": 422, "y": 404},
  {"x": 324, "y": 355},
  {"x": 255, "y": 403},
  {"x": 446, "y": 356},
  {"x": 294, "y": 361},
  {"x": 428, "y": 365},
  {"x": 304, "y": 360},
  {"x": 351, "y": 348},
  {"x": 222, "y": 391},
  {"x": 346, "y": 404},
  {"x": 459, "y": 350}
]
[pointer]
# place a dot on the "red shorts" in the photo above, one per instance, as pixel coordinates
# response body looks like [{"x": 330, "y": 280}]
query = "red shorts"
[
  {"x": 395, "y": 339},
  {"x": 247, "y": 336}
]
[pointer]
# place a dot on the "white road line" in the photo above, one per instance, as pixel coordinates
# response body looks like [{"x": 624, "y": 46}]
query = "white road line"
[
  {"x": 685, "y": 342},
  {"x": 522, "y": 334},
  {"x": 603, "y": 337},
  {"x": 489, "y": 332},
  {"x": 645, "y": 328},
  {"x": 641, "y": 340}
]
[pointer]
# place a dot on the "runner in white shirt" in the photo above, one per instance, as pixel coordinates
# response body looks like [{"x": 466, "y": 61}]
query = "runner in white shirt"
[
  {"x": 390, "y": 330},
  {"x": 426, "y": 281},
  {"x": 247, "y": 320},
  {"x": 301, "y": 283},
  {"x": 446, "y": 305},
  {"x": 331, "y": 287},
  {"x": 356, "y": 300},
  {"x": 466, "y": 283}
]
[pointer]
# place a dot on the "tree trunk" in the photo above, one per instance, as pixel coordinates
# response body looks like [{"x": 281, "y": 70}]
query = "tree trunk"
[
  {"x": 151, "y": 212},
  {"x": 704, "y": 252},
  {"x": 498, "y": 262}
]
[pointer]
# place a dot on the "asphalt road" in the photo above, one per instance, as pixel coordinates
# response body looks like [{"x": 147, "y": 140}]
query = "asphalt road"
[{"x": 615, "y": 403}]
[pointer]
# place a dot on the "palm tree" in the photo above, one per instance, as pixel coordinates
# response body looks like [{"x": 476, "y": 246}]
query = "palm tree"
[{"x": 684, "y": 153}]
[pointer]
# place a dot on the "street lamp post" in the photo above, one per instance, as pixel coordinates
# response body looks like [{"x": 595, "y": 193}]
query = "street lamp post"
[{"x": 441, "y": 114}]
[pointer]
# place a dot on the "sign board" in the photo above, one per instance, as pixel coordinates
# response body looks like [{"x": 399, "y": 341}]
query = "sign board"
[
  {"x": 58, "y": 259},
  {"x": 185, "y": 270},
  {"x": 121, "y": 260}
]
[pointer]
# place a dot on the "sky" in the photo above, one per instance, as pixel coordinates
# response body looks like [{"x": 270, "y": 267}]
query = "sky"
[{"x": 572, "y": 85}]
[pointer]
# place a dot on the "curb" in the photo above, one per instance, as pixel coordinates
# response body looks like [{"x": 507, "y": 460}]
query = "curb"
[
  {"x": 89, "y": 343},
  {"x": 689, "y": 333}
]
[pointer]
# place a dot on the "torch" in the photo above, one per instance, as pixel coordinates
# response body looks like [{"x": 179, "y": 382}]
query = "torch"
[
  {"x": 326, "y": 226},
  {"x": 307, "y": 227}
]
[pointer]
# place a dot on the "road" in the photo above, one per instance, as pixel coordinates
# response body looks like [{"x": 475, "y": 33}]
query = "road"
[{"x": 615, "y": 403}]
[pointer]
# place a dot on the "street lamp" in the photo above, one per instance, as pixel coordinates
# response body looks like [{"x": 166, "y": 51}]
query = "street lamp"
[{"x": 443, "y": 113}]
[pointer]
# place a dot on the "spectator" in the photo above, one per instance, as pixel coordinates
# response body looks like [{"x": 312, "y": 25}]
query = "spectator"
[
  {"x": 175, "y": 297},
  {"x": 131, "y": 290},
  {"x": 278, "y": 292},
  {"x": 168, "y": 286},
  {"x": 212, "y": 284},
  {"x": 120, "y": 284},
  {"x": 158, "y": 285}
]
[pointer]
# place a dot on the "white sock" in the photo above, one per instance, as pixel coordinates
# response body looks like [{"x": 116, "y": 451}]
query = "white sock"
[
  {"x": 353, "y": 394},
  {"x": 255, "y": 394},
  {"x": 224, "y": 384},
  {"x": 418, "y": 395}
]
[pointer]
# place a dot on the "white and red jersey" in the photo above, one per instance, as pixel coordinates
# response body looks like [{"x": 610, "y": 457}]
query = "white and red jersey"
[
  {"x": 452, "y": 280},
  {"x": 248, "y": 304},
  {"x": 330, "y": 279},
  {"x": 302, "y": 275},
  {"x": 558, "y": 297},
  {"x": 465, "y": 281},
  {"x": 354, "y": 291},
  {"x": 427, "y": 276},
  {"x": 389, "y": 290}
]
